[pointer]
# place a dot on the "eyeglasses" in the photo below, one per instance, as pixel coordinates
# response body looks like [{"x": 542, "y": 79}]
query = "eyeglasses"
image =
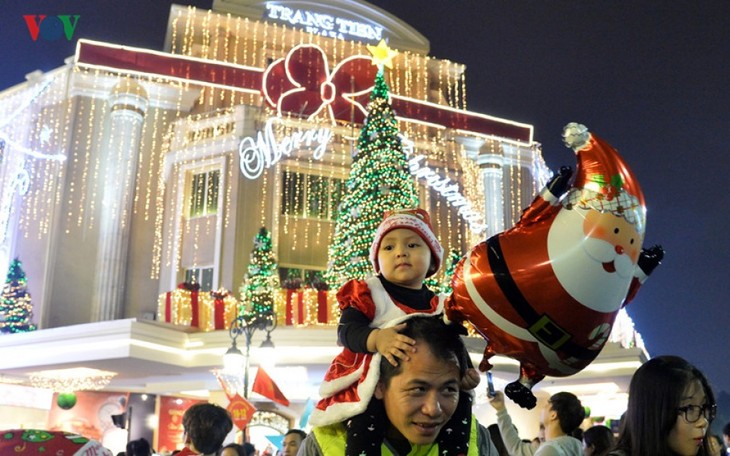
[{"x": 692, "y": 413}]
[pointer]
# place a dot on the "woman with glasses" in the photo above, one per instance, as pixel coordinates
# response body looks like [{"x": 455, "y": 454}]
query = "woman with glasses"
[{"x": 671, "y": 406}]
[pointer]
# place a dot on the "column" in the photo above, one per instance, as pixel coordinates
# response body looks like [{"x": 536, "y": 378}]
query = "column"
[
  {"x": 491, "y": 166},
  {"x": 128, "y": 103}
]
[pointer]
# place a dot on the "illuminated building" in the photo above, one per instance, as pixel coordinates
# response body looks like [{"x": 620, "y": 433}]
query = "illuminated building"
[{"x": 127, "y": 171}]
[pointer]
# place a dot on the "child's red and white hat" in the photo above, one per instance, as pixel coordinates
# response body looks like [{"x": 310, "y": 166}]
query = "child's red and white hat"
[{"x": 411, "y": 219}]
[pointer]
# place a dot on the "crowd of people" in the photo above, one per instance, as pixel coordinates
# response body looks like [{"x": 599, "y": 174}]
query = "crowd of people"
[
  {"x": 404, "y": 382},
  {"x": 670, "y": 408},
  {"x": 206, "y": 427}
]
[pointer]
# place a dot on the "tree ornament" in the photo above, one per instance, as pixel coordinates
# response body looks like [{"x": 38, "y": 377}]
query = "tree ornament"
[{"x": 66, "y": 400}]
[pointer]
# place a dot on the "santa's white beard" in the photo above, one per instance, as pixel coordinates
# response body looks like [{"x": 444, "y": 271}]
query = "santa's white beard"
[{"x": 577, "y": 261}]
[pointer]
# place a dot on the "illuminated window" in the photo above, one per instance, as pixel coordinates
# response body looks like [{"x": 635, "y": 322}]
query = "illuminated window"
[
  {"x": 311, "y": 196},
  {"x": 204, "y": 193},
  {"x": 306, "y": 277},
  {"x": 202, "y": 276}
]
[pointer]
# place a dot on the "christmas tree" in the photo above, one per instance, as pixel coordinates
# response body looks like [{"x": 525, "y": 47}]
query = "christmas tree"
[
  {"x": 444, "y": 286},
  {"x": 16, "y": 310},
  {"x": 379, "y": 181},
  {"x": 262, "y": 280}
]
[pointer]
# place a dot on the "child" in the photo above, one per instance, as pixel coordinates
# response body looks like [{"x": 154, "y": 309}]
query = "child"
[{"x": 404, "y": 252}]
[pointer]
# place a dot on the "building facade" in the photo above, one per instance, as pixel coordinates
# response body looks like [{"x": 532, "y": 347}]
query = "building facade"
[{"x": 127, "y": 171}]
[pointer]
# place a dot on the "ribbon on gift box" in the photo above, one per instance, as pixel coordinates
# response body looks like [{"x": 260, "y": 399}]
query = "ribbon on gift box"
[
  {"x": 223, "y": 308},
  {"x": 290, "y": 306},
  {"x": 322, "y": 306},
  {"x": 300, "y": 308},
  {"x": 168, "y": 307},
  {"x": 219, "y": 310}
]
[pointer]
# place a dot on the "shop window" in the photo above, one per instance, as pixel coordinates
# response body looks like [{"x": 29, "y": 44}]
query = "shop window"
[
  {"x": 204, "y": 193},
  {"x": 202, "y": 276},
  {"x": 311, "y": 196}
]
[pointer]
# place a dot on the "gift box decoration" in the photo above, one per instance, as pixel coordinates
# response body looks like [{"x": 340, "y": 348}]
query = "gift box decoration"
[{"x": 188, "y": 306}]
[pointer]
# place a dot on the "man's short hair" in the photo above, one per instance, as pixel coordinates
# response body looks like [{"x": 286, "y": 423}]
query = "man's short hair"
[
  {"x": 726, "y": 429},
  {"x": 139, "y": 447},
  {"x": 569, "y": 410},
  {"x": 298, "y": 432},
  {"x": 207, "y": 425},
  {"x": 442, "y": 339}
]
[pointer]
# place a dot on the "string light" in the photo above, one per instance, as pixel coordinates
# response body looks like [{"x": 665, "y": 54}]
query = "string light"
[
  {"x": 206, "y": 34},
  {"x": 70, "y": 380}
]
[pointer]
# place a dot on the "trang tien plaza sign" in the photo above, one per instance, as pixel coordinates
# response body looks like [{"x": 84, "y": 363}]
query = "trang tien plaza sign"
[{"x": 323, "y": 24}]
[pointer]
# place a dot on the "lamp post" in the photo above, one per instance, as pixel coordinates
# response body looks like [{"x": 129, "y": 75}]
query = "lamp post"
[{"x": 247, "y": 325}]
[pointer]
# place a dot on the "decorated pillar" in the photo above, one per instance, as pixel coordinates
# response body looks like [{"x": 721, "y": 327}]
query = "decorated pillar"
[
  {"x": 119, "y": 154},
  {"x": 490, "y": 165}
]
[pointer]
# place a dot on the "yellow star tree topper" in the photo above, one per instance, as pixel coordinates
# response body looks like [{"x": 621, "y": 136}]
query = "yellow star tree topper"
[{"x": 382, "y": 54}]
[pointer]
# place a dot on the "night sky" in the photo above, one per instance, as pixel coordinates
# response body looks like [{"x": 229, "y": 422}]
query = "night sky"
[{"x": 650, "y": 77}]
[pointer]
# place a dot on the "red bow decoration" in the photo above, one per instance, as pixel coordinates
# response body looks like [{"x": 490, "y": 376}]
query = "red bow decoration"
[
  {"x": 301, "y": 83},
  {"x": 189, "y": 286}
]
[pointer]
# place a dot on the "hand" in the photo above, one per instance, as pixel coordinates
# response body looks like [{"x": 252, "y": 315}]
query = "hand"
[
  {"x": 470, "y": 380},
  {"x": 650, "y": 258},
  {"x": 393, "y": 345},
  {"x": 497, "y": 402}
]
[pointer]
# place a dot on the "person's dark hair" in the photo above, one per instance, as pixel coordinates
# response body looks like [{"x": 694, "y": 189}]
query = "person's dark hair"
[
  {"x": 726, "y": 429},
  {"x": 299, "y": 432},
  {"x": 569, "y": 410},
  {"x": 655, "y": 392},
  {"x": 577, "y": 433},
  {"x": 207, "y": 425},
  {"x": 240, "y": 449},
  {"x": 600, "y": 438},
  {"x": 139, "y": 447},
  {"x": 249, "y": 449},
  {"x": 497, "y": 440},
  {"x": 443, "y": 340}
]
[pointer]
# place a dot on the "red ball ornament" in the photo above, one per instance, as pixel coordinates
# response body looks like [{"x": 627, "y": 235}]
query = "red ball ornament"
[{"x": 546, "y": 292}]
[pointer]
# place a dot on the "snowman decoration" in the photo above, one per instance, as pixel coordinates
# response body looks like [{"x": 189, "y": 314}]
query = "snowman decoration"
[{"x": 547, "y": 291}]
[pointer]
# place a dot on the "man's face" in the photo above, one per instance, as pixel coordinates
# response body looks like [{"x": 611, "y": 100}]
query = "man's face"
[
  {"x": 421, "y": 399},
  {"x": 291, "y": 444},
  {"x": 548, "y": 417}
]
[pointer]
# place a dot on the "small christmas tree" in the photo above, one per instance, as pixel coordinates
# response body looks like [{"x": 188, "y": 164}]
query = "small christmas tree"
[
  {"x": 16, "y": 310},
  {"x": 379, "y": 181},
  {"x": 262, "y": 280}
]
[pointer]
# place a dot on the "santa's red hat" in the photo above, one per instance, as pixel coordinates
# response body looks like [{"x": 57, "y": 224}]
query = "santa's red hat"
[
  {"x": 603, "y": 180},
  {"x": 411, "y": 219}
]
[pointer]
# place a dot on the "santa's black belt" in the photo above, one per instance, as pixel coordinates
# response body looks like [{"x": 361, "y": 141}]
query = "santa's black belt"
[{"x": 541, "y": 326}]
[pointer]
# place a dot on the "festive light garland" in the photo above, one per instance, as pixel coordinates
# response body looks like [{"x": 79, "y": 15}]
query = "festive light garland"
[
  {"x": 262, "y": 281},
  {"x": 208, "y": 35},
  {"x": 379, "y": 181},
  {"x": 70, "y": 380},
  {"x": 16, "y": 309}
]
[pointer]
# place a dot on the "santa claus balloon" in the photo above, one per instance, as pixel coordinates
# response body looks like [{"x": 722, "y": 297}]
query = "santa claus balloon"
[{"x": 546, "y": 292}]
